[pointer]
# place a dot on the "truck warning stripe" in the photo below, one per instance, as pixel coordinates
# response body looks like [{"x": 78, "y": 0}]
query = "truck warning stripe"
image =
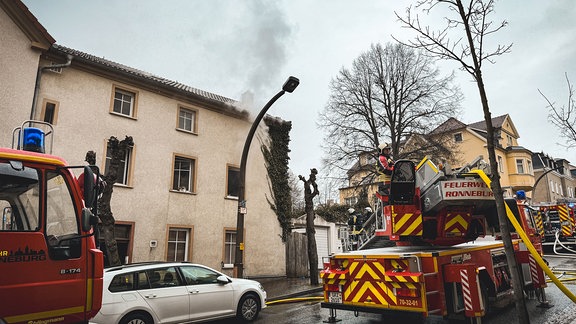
[
  {"x": 466, "y": 290},
  {"x": 334, "y": 281},
  {"x": 539, "y": 223},
  {"x": 563, "y": 212},
  {"x": 456, "y": 223},
  {"x": 403, "y": 279},
  {"x": 332, "y": 276},
  {"x": 367, "y": 270},
  {"x": 407, "y": 224},
  {"x": 533, "y": 270},
  {"x": 373, "y": 292},
  {"x": 398, "y": 264}
]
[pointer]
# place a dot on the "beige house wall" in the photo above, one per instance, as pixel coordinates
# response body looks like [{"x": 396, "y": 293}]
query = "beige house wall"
[
  {"x": 18, "y": 63},
  {"x": 84, "y": 116},
  {"x": 84, "y": 122},
  {"x": 470, "y": 148}
]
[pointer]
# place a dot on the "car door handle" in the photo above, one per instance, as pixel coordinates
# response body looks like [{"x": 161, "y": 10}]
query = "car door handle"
[
  {"x": 150, "y": 296},
  {"x": 194, "y": 291}
]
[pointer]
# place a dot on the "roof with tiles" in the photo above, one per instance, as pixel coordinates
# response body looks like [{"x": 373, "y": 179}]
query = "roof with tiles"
[
  {"x": 142, "y": 75},
  {"x": 449, "y": 125},
  {"x": 496, "y": 123}
]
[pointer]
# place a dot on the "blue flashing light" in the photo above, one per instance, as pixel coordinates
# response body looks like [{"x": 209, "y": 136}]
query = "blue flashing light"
[
  {"x": 520, "y": 194},
  {"x": 571, "y": 205},
  {"x": 33, "y": 140}
]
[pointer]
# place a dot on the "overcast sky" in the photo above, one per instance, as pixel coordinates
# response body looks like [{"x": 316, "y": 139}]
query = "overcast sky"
[{"x": 230, "y": 46}]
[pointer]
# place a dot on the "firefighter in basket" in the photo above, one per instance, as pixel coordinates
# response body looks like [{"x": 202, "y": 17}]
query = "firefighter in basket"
[{"x": 385, "y": 168}]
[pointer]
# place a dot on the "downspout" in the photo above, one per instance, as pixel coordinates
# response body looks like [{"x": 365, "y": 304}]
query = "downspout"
[{"x": 39, "y": 76}]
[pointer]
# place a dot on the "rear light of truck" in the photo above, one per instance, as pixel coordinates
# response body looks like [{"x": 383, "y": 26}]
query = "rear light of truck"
[
  {"x": 331, "y": 287},
  {"x": 406, "y": 292}
]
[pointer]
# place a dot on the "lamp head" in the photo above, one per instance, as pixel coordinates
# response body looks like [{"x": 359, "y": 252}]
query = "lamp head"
[{"x": 291, "y": 84}]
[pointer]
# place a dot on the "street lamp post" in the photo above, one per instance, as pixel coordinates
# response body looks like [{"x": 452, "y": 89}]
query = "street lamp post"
[
  {"x": 288, "y": 86},
  {"x": 558, "y": 168}
]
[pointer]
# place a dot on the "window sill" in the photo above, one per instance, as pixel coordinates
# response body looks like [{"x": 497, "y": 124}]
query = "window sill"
[
  {"x": 122, "y": 115},
  {"x": 121, "y": 185},
  {"x": 231, "y": 198},
  {"x": 186, "y": 131},
  {"x": 228, "y": 266},
  {"x": 183, "y": 192}
]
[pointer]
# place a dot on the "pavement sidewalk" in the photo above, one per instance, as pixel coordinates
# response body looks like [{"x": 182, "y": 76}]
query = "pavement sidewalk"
[{"x": 282, "y": 288}]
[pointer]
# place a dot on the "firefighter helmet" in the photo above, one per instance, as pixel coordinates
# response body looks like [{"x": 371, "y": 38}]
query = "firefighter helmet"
[
  {"x": 368, "y": 209},
  {"x": 351, "y": 211},
  {"x": 383, "y": 146}
]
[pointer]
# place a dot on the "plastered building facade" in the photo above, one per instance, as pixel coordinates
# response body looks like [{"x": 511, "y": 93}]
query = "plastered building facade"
[{"x": 177, "y": 195}]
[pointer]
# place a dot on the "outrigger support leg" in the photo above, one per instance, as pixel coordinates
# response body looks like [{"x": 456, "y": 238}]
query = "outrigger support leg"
[
  {"x": 544, "y": 303},
  {"x": 476, "y": 320},
  {"x": 332, "y": 318}
]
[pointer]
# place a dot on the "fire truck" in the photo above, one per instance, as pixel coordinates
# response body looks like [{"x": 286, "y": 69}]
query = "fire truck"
[
  {"x": 51, "y": 270},
  {"x": 427, "y": 250},
  {"x": 553, "y": 218}
]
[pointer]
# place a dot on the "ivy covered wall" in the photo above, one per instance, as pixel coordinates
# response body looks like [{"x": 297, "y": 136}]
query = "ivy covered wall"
[{"x": 276, "y": 158}]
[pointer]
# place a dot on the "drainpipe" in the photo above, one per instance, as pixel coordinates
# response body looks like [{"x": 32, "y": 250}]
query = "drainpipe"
[{"x": 39, "y": 76}]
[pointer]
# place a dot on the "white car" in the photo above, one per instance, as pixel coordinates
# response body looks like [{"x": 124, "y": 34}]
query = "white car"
[{"x": 176, "y": 292}]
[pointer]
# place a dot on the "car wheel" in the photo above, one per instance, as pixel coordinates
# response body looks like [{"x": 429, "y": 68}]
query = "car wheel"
[
  {"x": 248, "y": 308},
  {"x": 137, "y": 318}
]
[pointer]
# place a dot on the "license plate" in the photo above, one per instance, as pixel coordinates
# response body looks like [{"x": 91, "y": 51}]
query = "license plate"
[{"x": 335, "y": 297}]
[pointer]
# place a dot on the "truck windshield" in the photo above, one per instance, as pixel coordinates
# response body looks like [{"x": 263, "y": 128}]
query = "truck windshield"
[{"x": 19, "y": 198}]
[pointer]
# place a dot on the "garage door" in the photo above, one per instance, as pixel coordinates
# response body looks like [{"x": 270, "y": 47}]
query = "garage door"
[{"x": 321, "y": 244}]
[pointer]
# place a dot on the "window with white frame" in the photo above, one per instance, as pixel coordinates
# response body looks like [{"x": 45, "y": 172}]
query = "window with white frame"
[
  {"x": 351, "y": 201},
  {"x": 184, "y": 174},
  {"x": 509, "y": 140},
  {"x": 552, "y": 186},
  {"x": 187, "y": 119},
  {"x": 229, "y": 247},
  {"x": 529, "y": 166},
  {"x": 124, "y": 170},
  {"x": 178, "y": 244},
  {"x": 500, "y": 164},
  {"x": 124, "y": 102},
  {"x": 520, "y": 166},
  {"x": 232, "y": 181}
]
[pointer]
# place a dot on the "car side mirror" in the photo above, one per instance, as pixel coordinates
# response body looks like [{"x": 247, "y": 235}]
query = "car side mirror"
[{"x": 223, "y": 280}]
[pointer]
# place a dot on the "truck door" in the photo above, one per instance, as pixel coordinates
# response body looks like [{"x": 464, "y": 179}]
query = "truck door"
[{"x": 41, "y": 260}]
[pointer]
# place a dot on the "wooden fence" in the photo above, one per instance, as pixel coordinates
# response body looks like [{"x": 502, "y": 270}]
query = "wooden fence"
[{"x": 297, "y": 256}]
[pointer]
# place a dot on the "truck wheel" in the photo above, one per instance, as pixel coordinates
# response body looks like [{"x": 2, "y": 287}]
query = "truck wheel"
[
  {"x": 248, "y": 308},
  {"x": 137, "y": 318}
]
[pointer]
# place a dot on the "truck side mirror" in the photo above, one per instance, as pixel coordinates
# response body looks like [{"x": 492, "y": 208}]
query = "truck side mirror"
[
  {"x": 88, "y": 187},
  {"x": 88, "y": 219}
]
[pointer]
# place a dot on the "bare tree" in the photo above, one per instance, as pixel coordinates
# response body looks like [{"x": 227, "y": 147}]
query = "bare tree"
[
  {"x": 296, "y": 193},
  {"x": 564, "y": 117},
  {"x": 470, "y": 50},
  {"x": 311, "y": 191},
  {"x": 391, "y": 93},
  {"x": 117, "y": 150}
]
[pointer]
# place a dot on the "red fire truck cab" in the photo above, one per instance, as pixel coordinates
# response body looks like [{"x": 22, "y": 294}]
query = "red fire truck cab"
[{"x": 51, "y": 270}]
